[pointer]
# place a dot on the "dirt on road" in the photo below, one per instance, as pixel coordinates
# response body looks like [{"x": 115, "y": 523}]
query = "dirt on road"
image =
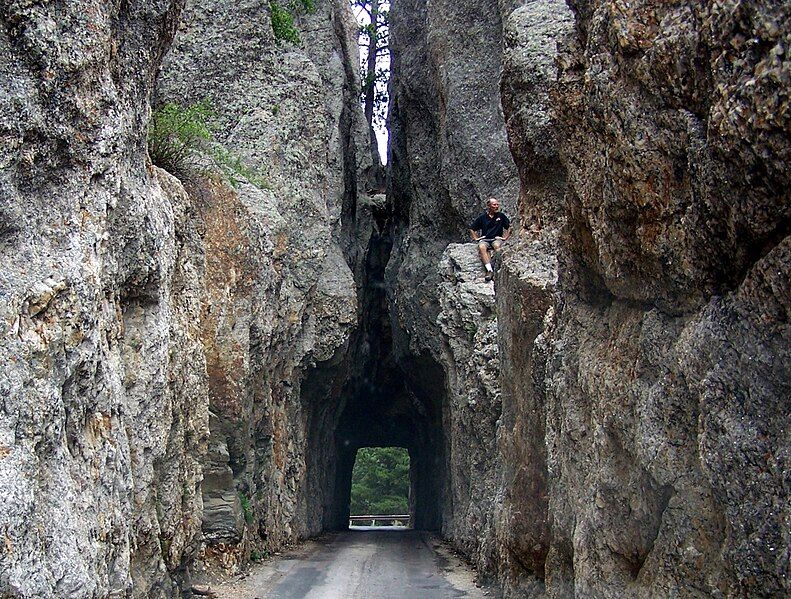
[{"x": 363, "y": 563}]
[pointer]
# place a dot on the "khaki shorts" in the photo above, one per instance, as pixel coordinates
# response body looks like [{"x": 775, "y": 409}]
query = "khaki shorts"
[{"x": 490, "y": 244}]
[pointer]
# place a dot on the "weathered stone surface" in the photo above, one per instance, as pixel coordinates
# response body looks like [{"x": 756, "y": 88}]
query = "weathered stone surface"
[
  {"x": 101, "y": 423},
  {"x": 448, "y": 151},
  {"x": 532, "y": 32},
  {"x": 280, "y": 296},
  {"x": 674, "y": 139},
  {"x": 644, "y": 415},
  {"x": 527, "y": 293},
  {"x": 187, "y": 376},
  {"x": 128, "y": 307},
  {"x": 468, "y": 324},
  {"x": 525, "y": 311},
  {"x": 642, "y": 333},
  {"x": 448, "y": 155},
  {"x": 666, "y": 216}
]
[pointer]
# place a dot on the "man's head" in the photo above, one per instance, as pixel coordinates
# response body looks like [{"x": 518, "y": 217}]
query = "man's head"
[{"x": 493, "y": 205}]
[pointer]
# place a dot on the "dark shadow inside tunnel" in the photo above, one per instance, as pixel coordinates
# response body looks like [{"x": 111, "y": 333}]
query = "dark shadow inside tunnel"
[
  {"x": 386, "y": 405},
  {"x": 386, "y": 412}
]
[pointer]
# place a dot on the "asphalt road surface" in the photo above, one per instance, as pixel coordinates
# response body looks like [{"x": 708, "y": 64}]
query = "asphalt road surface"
[{"x": 364, "y": 563}]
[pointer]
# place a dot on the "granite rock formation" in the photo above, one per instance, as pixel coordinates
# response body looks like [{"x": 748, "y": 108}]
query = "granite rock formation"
[
  {"x": 280, "y": 296},
  {"x": 102, "y": 426},
  {"x": 155, "y": 338},
  {"x": 188, "y": 367},
  {"x": 673, "y": 339},
  {"x": 642, "y": 315},
  {"x": 449, "y": 153}
]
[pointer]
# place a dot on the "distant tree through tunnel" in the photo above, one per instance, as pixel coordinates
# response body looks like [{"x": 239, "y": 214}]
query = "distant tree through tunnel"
[{"x": 380, "y": 481}]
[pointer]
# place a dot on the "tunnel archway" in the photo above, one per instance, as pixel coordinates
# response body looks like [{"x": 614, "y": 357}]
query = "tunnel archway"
[
  {"x": 386, "y": 410},
  {"x": 375, "y": 393}
]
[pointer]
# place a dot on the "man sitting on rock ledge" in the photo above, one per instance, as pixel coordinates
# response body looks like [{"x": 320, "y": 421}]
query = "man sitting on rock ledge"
[{"x": 491, "y": 225}]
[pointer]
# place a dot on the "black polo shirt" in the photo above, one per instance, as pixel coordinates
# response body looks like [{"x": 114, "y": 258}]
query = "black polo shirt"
[{"x": 491, "y": 227}]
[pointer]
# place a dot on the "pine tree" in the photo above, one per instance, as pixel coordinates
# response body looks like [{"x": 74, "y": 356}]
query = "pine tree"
[
  {"x": 374, "y": 41},
  {"x": 380, "y": 481}
]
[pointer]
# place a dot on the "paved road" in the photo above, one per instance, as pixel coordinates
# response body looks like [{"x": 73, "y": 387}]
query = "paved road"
[{"x": 379, "y": 563}]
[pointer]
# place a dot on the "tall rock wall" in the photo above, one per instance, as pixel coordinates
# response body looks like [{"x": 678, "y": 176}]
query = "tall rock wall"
[
  {"x": 527, "y": 295},
  {"x": 608, "y": 419},
  {"x": 642, "y": 342},
  {"x": 157, "y": 341},
  {"x": 448, "y": 154},
  {"x": 668, "y": 378},
  {"x": 280, "y": 296},
  {"x": 102, "y": 424}
]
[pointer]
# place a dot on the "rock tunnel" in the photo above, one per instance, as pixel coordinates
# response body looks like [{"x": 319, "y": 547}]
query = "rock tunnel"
[
  {"x": 386, "y": 412},
  {"x": 385, "y": 399},
  {"x": 191, "y": 364}
]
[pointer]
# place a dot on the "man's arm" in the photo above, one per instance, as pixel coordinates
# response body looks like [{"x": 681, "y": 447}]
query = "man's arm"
[
  {"x": 506, "y": 228},
  {"x": 474, "y": 228}
]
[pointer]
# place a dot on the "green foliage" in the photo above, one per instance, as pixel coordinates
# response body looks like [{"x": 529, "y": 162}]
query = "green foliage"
[
  {"x": 178, "y": 135},
  {"x": 283, "y": 23},
  {"x": 257, "y": 556},
  {"x": 380, "y": 481},
  {"x": 235, "y": 170},
  {"x": 247, "y": 509},
  {"x": 174, "y": 135},
  {"x": 283, "y": 18}
]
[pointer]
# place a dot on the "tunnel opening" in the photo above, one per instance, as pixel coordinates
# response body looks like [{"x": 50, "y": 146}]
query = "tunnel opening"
[
  {"x": 380, "y": 487},
  {"x": 390, "y": 407}
]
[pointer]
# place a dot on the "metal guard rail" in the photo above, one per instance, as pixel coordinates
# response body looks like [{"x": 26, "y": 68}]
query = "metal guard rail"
[{"x": 382, "y": 519}]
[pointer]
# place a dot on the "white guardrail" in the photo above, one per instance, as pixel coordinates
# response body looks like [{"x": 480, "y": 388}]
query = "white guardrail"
[{"x": 380, "y": 520}]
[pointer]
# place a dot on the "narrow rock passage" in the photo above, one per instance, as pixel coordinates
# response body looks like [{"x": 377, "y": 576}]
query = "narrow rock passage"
[{"x": 386, "y": 563}]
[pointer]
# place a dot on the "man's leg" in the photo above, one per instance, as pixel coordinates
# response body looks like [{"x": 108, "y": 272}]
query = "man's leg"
[
  {"x": 495, "y": 253},
  {"x": 484, "y": 252},
  {"x": 483, "y": 249}
]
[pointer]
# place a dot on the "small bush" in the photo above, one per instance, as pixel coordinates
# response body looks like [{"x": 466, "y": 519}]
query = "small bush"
[
  {"x": 176, "y": 133},
  {"x": 177, "y": 136},
  {"x": 247, "y": 509},
  {"x": 283, "y": 23},
  {"x": 283, "y": 18},
  {"x": 257, "y": 556}
]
